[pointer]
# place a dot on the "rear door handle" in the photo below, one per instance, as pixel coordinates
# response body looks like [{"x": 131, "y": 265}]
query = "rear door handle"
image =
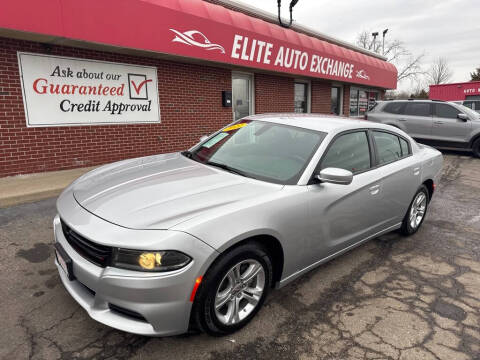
[
  {"x": 402, "y": 119},
  {"x": 374, "y": 189},
  {"x": 438, "y": 122},
  {"x": 416, "y": 171}
]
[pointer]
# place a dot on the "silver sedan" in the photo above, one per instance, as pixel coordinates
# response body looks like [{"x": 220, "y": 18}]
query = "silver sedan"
[{"x": 164, "y": 243}]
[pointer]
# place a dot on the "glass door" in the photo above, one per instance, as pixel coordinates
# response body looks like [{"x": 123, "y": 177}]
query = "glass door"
[
  {"x": 242, "y": 98},
  {"x": 301, "y": 98}
]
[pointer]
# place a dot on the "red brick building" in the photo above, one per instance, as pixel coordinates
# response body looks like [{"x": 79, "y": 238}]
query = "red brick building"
[{"x": 88, "y": 82}]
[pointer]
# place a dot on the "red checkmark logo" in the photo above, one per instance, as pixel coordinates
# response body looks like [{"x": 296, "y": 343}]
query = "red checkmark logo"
[{"x": 140, "y": 85}]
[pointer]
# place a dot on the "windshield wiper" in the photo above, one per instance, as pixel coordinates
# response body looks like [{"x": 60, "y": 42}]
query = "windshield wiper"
[{"x": 228, "y": 168}]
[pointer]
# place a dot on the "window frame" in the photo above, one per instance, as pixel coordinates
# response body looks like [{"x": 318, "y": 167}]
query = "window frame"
[
  {"x": 430, "y": 106},
  {"x": 402, "y": 108},
  {"x": 374, "y": 163},
  {"x": 377, "y": 161},
  {"x": 434, "y": 112},
  {"x": 308, "y": 92},
  {"x": 335, "y": 138},
  {"x": 251, "y": 77}
]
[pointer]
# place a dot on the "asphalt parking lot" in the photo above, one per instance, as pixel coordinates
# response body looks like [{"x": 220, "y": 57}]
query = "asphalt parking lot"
[{"x": 392, "y": 298}]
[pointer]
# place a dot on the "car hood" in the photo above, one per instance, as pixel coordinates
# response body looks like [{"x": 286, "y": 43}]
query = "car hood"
[{"x": 159, "y": 192}]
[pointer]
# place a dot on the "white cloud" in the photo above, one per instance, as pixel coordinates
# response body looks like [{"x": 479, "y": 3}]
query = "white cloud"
[{"x": 440, "y": 28}]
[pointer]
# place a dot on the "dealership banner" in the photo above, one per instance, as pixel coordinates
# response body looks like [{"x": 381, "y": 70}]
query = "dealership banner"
[
  {"x": 200, "y": 30},
  {"x": 62, "y": 91}
]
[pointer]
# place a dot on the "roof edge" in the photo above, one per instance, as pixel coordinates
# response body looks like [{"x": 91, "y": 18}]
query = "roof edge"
[{"x": 264, "y": 15}]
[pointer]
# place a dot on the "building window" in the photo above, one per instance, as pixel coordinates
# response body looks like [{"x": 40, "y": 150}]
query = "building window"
[
  {"x": 301, "y": 97},
  {"x": 335, "y": 101},
  {"x": 242, "y": 95},
  {"x": 361, "y": 100}
]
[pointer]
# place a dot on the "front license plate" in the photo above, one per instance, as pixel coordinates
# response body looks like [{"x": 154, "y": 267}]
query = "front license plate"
[{"x": 64, "y": 260}]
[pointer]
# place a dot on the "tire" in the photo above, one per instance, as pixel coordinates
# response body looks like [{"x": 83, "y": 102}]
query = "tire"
[
  {"x": 217, "y": 282},
  {"x": 419, "y": 201},
  {"x": 476, "y": 148}
]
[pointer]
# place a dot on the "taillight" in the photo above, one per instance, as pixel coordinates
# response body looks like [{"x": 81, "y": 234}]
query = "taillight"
[{"x": 365, "y": 117}]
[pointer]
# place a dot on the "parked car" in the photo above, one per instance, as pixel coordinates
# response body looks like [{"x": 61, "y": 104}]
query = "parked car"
[
  {"x": 157, "y": 244},
  {"x": 437, "y": 123}
]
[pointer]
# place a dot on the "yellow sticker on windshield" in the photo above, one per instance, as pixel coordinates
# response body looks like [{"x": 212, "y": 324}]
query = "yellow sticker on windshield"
[{"x": 235, "y": 127}]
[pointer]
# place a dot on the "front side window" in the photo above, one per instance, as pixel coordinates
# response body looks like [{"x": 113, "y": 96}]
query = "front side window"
[
  {"x": 417, "y": 109},
  {"x": 446, "y": 111},
  {"x": 261, "y": 150},
  {"x": 350, "y": 152},
  {"x": 388, "y": 147}
]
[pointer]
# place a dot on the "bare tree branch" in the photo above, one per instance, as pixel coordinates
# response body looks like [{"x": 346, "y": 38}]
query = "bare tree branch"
[
  {"x": 409, "y": 66},
  {"x": 439, "y": 72}
]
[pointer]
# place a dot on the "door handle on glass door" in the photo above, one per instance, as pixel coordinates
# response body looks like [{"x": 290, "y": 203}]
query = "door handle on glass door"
[{"x": 374, "y": 189}]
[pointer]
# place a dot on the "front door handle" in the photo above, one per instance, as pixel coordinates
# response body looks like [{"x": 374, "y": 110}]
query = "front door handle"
[
  {"x": 438, "y": 122},
  {"x": 374, "y": 189},
  {"x": 402, "y": 119}
]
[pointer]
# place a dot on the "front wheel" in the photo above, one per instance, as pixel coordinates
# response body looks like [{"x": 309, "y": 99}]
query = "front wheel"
[
  {"x": 416, "y": 212},
  {"x": 233, "y": 290}
]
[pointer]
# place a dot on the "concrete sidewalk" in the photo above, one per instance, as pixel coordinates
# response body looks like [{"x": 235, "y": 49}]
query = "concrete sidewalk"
[{"x": 32, "y": 187}]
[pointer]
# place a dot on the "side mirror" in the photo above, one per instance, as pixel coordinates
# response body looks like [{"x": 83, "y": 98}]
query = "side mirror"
[
  {"x": 462, "y": 116},
  {"x": 203, "y": 138},
  {"x": 335, "y": 176}
]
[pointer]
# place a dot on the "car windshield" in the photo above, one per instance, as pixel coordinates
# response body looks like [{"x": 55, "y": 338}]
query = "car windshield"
[{"x": 260, "y": 150}]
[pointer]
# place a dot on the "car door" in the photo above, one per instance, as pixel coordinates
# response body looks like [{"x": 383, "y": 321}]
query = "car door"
[
  {"x": 401, "y": 174},
  {"x": 447, "y": 127},
  {"x": 417, "y": 119},
  {"x": 341, "y": 215}
]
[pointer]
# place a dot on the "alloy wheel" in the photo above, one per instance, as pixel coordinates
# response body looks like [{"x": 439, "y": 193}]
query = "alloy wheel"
[
  {"x": 239, "y": 292},
  {"x": 417, "y": 211}
]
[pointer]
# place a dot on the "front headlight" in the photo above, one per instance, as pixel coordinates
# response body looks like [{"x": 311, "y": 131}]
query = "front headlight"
[{"x": 142, "y": 260}]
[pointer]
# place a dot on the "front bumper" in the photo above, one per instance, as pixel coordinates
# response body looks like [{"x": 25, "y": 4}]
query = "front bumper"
[{"x": 161, "y": 300}]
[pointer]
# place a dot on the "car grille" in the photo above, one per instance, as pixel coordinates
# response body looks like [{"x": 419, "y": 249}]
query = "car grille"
[{"x": 98, "y": 254}]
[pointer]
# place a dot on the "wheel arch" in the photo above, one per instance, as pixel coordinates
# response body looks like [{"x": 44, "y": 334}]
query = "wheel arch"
[
  {"x": 430, "y": 187},
  {"x": 272, "y": 246}
]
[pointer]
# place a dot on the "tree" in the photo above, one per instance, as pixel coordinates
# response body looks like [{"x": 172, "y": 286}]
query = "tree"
[
  {"x": 408, "y": 64},
  {"x": 475, "y": 75},
  {"x": 439, "y": 72}
]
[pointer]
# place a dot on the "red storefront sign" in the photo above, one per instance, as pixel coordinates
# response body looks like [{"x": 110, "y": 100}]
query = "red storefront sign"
[
  {"x": 197, "y": 29},
  {"x": 454, "y": 92}
]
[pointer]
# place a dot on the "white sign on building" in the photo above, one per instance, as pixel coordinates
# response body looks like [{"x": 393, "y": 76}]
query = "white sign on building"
[{"x": 62, "y": 91}]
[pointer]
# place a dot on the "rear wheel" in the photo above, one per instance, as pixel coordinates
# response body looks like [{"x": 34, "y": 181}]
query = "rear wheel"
[
  {"x": 416, "y": 212},
  {"x": 476, "y": 148},
  {"x": 233, "y": 290}
]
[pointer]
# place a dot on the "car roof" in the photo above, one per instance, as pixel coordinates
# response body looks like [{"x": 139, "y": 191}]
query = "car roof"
[{"x": 318, "y": 122}]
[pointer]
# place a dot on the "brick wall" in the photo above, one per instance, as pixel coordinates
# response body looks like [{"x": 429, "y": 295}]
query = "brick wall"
[
  {"x": 273, "y": 94},
  {"x": 321, "y": 97},
  {"x": 190, "y": 106}
]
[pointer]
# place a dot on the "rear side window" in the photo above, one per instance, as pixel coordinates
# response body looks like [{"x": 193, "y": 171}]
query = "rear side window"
[
  {"x": 394, "y": 108},
  {"x": 350, "y": 152},
  {"x": 388, "y": 147},
  {"x": 417, "y": 109},
  {"x": 446, "y": 111}
]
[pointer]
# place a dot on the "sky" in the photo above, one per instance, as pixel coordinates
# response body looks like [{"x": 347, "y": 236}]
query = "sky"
[{"x": 440, "y": 28}]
